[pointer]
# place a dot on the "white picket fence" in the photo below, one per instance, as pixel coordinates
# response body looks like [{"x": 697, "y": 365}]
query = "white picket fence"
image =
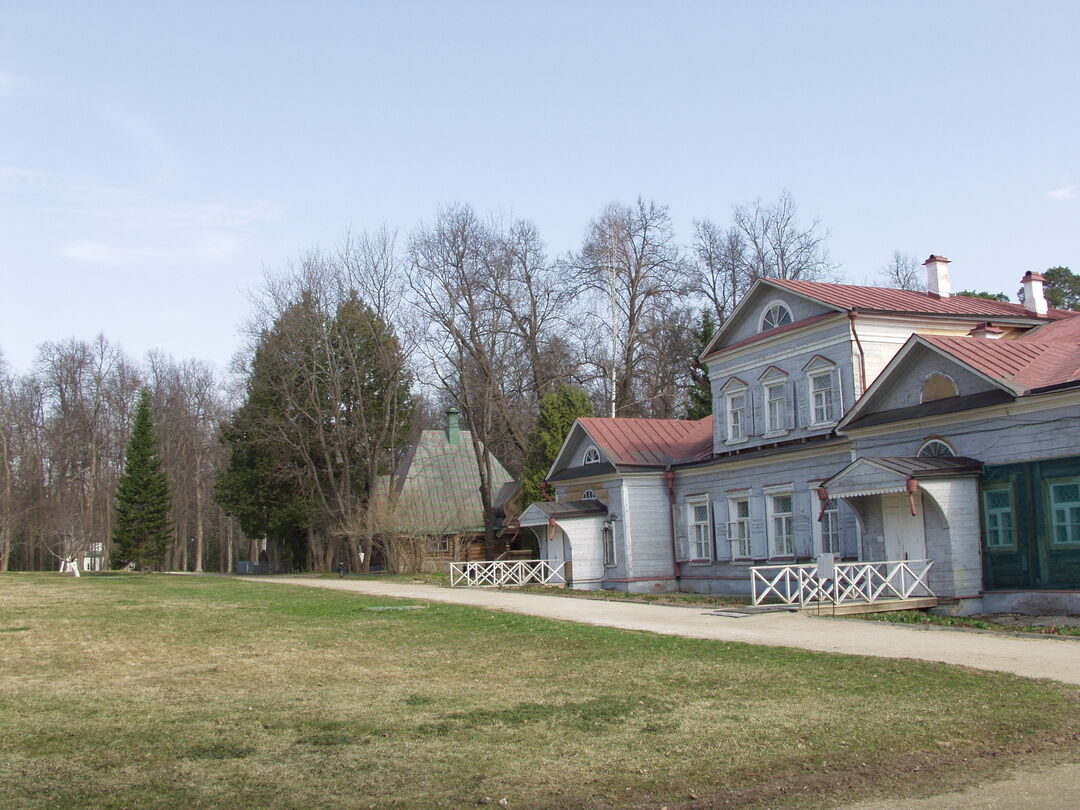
[
  {"x": 505, "y": 573},
  {"x": 841, "y": 583}
]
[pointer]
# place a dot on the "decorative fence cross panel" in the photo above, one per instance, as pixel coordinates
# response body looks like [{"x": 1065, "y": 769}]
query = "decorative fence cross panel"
[
  {"x": 846, "y": 583},
  {"x": 505, "y": 573}
]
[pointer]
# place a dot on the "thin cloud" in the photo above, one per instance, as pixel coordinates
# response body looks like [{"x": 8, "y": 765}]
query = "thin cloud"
[
  {"x": 9, "y": 83},
  {"x": 1067, "y": 192}
]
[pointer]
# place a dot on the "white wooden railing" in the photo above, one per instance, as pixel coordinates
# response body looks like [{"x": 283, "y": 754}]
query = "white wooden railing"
[
  {"x": 841, "y": 583},
  {"x": 505, "y": 573}
]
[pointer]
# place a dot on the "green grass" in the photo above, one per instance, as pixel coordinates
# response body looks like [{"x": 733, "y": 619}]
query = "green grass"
[
  {"x": 968, "y": 622},
  {"x": 179, "y": 692}
]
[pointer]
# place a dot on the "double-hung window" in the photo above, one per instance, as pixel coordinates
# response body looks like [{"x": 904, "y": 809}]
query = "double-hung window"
[
  {"x": 781, "y": 525},
  {"x": 777, "y": 407},
  {"x": 998, "y": 517},
  {"x": 822, "y": 396},
  {"x": 775, "y": 386},
  {"x": 736, "y": 416},
  {"x": 830, "y": 528},
  {"x": 700, "y": 534},
  {"x": 1065, "y": 510},
  {"x": 737, "y": 402},
  {"x": 739, "y": 528},
  {"x": 823, "y": 384}
]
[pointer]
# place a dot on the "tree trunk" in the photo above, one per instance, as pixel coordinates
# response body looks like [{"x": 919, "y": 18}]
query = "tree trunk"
[{"x": 198, "y": 525}]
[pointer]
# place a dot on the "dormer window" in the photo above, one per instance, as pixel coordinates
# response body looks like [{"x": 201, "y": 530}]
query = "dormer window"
[
  {"x": 775, "y": 314},
  {"x": 592, "y": 456},
  {"x": 935, "y": 448}
]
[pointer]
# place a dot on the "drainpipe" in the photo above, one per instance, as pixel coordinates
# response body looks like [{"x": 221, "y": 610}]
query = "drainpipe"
[
  {"x": 912, "y": 488},
  {"x": 669, "y": 477},
  {"x": 862, "y": 355}
]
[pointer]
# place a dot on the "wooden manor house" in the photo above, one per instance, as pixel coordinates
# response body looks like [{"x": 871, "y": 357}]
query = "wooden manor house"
[{"x": 850, "y": 424}]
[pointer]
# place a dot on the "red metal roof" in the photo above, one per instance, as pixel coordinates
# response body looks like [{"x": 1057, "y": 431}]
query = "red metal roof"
[
  {"x": 883, "y": 299},
  {"x": 1049, "y": 355},
  {"x": 650, "y": 442}
]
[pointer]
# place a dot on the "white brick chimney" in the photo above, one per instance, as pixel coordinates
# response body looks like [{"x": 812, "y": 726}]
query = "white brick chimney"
[
  {"x": 937, "y": 276},
  {"x": 1034, "y": 298}
]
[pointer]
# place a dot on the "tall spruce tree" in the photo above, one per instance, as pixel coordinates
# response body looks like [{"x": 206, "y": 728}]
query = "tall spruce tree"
[
  {"x": 142, "y": 529},
  {"x": 558, "y": 410},
  {"x": 700, "y": 404}
]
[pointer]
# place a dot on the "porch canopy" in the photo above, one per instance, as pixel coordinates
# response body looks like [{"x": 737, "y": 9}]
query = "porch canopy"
[
  {"x": 883, "y": 475},
  {"x": 541, "y": 513}
]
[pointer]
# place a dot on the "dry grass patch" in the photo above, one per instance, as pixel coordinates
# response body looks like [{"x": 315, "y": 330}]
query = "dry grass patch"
[{"x": 152, "y": 691}]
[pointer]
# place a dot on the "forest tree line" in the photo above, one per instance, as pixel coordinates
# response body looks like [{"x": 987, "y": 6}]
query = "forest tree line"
[{"x": 350, "y": 351}]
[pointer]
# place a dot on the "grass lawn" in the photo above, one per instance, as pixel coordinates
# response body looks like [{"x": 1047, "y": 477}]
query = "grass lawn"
[{"x": 158, "y": 691}]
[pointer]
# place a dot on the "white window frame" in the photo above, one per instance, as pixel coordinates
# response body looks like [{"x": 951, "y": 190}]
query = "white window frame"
[
  {"x": 1072, "y": 530},
  {"x": 730, "y": 395},
  {"x": 588, "y": 495},
  {"x": 778, "y": 548},
  {"x": 832, "y": 396},
  {"x": 607, "y": 537},
  {"x": 829, "y": 528},
  {"x": 769, "y": 307},
  {"x": 591, "y": 452},
  {"x": 699, "y": 533},
  {"x": 935, "y": 441},
  {"x": 997, "y": 514},
  {"x": 776, "y": 426},
  {"x": 738, "y": 528}
]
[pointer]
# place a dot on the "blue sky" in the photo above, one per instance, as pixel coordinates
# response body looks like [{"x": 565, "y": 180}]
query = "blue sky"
[{"x": 154, "y": 161}]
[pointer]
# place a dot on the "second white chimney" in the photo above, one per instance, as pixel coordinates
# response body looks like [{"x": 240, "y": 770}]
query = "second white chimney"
[
  {"x": 937, "y": 276},
  {"x": 1034, "y": 297}
]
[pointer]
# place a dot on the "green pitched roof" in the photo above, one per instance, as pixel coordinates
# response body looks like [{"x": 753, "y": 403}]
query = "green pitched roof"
[{"x": 439, "y": 485}]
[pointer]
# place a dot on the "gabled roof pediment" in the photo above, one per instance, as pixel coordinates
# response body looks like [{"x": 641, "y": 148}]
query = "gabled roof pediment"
[
  {"x": 818, "y": 361},
  {"x": 897, "y": 370},
  {"x": 773, "y": 373},
  {"x": 748, "y": 311},
  {"x": 887, "y": 475},
  {"x": 733, "y": 383}
]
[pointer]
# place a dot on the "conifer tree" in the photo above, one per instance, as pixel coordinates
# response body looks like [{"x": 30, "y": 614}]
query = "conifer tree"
[
  {"x": 700, "y": 404},
  {"x": 142, "y": 526},
  {"x": 558, "y": 410}
]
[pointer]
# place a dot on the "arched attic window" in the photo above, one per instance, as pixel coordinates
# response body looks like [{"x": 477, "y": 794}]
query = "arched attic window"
[
  {"x": 588, "y": 495},
  {"x": 776, "y": 313},
  {"x": 935, "y": 448},
  {"x": 592, "y": 455},
  {"x": 938, "y": 386}
]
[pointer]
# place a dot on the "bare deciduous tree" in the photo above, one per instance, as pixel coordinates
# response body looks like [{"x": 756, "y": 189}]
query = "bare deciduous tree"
[
  {"x": 635, "y": 269},
  {"x": 903, "y": 272}
]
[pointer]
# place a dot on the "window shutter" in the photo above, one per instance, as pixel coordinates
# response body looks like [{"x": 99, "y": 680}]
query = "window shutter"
[
  {"x": 792, "y": 409},
  {"x": 837, "y": 399},
  {"x": 721, "y": 546},
  {"x": 755, "y": 397},
  {"x": 682, "y": 541},
  {"x": 759, "y": 528}
]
